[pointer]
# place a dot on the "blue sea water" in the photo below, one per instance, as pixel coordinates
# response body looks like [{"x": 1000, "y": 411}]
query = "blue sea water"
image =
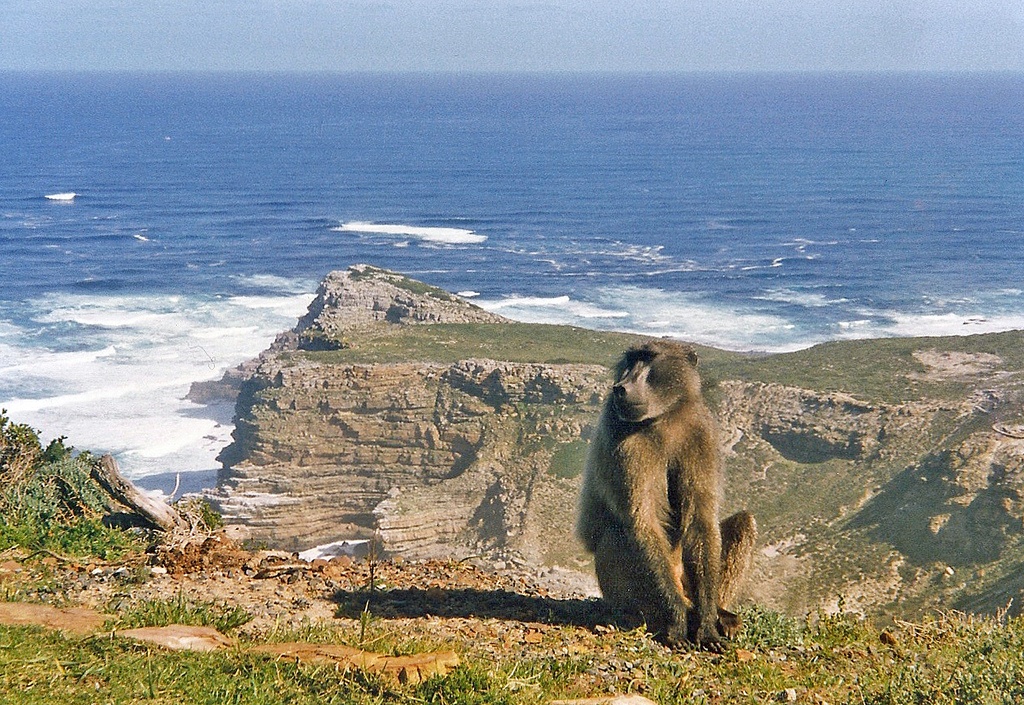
[{"x": 751, "y": 212}]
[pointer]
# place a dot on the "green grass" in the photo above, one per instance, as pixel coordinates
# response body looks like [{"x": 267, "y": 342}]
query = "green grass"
[
  {"x": 837, "y": 659},
  {"x": 47, "y": 669},
  {"x": 160, "y": 613},
  {"x": 451, "y": 342},
  {"x": 78, "y": 538},
  {"x": 568, "y": 459},
  {"x": 882, "y": 370}
]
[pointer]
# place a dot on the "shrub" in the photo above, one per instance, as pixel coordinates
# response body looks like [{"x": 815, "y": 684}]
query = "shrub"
[
  {"x": 19, "y": 451},
  {"x": 49, "y": 501}
]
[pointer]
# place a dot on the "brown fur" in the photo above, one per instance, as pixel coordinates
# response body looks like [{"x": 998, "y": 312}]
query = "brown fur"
[{"x": 650, "y": 500}]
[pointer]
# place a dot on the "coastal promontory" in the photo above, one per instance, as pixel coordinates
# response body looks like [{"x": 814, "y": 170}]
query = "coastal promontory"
[{"x": 886, "y": 475}]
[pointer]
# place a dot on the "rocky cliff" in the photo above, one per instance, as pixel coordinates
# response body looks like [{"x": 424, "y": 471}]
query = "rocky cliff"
[
  {"x": 433, "y": 456},
  {"x": 885, "y": 476}
]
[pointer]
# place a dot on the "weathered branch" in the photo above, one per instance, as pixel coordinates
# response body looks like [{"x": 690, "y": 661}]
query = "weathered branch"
[{"x": 159, "y": 514}]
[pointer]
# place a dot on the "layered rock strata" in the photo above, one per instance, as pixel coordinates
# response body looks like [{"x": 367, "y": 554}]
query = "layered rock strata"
[
  {"x": 863, "y": 504},
  {"x": 431, "y": 457}
]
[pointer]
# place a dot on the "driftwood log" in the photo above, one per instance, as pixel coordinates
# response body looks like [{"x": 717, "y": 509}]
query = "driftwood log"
[{"x": 157, "y": 513}]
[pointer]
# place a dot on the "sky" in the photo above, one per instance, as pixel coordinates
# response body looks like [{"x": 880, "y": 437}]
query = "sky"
[{"x": 512, "y": 35}]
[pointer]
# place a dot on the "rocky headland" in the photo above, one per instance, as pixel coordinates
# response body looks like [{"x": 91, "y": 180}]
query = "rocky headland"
[{"x": 886, "y": 475}]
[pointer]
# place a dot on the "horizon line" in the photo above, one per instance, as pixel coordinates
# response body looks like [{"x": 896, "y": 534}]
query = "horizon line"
[{"x": 519, "y": 72}]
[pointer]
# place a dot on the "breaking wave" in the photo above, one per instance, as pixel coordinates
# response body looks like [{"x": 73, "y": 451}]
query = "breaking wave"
[{"x": 448, "y": 236}]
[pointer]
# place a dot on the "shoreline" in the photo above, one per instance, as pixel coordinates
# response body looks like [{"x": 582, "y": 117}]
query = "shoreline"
[{"x": 200, "y": 411}]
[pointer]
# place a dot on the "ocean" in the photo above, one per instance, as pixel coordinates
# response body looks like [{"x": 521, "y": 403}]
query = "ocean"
[{"x": 750, "y": 212}]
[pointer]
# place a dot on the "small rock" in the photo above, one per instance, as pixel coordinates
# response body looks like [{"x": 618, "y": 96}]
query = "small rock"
[
  {"x": 158, "y": 570},
  {"x": 178, "y": 637},
  {"x": 744, "y": 656},
  {"x": 78, "y": 620},
  {"x": 607, "y": 700},
  {"x": 788, "y": 695}
]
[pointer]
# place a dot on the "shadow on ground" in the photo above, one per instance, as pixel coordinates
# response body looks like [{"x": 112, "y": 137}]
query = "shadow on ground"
[{"x": 481, "y": 604}]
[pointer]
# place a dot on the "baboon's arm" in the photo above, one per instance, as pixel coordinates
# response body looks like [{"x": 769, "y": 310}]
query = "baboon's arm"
[
  {"x": 706, "y": 553},
  {"x": 646, "y": 514},
  {"x": 697, "y": 468}
]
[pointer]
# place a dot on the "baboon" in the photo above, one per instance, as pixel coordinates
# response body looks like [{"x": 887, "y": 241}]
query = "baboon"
[{"x": 650, "y": 500}]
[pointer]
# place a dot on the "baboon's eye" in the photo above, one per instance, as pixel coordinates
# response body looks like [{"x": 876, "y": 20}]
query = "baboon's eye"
[
  {"x": 660, "y": 377},
  {"x": 634, "y": 363}
]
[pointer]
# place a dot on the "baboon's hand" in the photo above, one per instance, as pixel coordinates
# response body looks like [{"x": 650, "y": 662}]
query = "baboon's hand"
[
  {"x": 707, "y": 638},
  {"x": 729, "y": 623},
  {"x": 676, "y": 635}
]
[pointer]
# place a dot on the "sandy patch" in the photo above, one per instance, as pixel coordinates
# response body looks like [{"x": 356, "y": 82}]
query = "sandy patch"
[{"x": 943, "y": 366}]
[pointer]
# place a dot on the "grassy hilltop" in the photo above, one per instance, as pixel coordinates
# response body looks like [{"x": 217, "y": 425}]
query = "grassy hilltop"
[
  {"x": 516, "y": 644},
  {"x": 886, "y": 476},
  {"x": 887, "y": 473}
]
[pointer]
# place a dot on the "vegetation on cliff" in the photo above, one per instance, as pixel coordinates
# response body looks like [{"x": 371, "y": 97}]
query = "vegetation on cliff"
[
  {"x": 515, "y": 643},
  {"x": 48, "y": 500},
  {"x": 888, "y": 474},
  {"x": 887, "y": 481}
]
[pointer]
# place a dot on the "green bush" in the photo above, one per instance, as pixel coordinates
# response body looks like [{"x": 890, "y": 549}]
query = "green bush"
[
  {"x": 19, "y": 451},
  {"x": 766, "y": 629},
  {"x": 49, "y": 500}
]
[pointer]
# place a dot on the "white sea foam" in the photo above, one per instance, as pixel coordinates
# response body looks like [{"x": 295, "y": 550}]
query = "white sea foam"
[
  {"x": 650, "y": 255},
  {"x": 701, "y": 320},
  {"x": 807, "y": 299},
  {"x": 275, "y": 283},
  {"x": 351, "y": 547},
  {"x": 950, "y": 324},
  {"x": 21, "y": 407},
  {"x": 283, "y": 305},
  {"x": 449, "y": 236},
  {"x": 657, "y": 312},
  {"x": 122, "y": 390},
  {"x": 802, "y": 242},
  {"x": 556, "y": 309},
  {"x": 25, "y": 362}
]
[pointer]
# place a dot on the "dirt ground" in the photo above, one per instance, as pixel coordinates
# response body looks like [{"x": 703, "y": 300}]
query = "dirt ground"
[{"x": 461, "y": 605}]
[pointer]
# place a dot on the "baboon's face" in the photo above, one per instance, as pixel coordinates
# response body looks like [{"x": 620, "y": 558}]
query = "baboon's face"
[{"x": 652, "y": 379}]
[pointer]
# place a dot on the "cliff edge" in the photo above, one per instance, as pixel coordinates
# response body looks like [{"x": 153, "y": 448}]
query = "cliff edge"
[{"x": 886, "y": 475}]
